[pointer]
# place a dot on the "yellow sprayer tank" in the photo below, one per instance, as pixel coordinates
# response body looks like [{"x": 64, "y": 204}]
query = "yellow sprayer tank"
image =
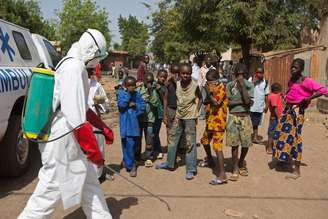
[{"x": 38, "y": 108}]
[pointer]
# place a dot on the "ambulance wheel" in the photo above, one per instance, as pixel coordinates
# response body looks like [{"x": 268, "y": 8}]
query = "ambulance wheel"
[{"x": 16, "y": 152}]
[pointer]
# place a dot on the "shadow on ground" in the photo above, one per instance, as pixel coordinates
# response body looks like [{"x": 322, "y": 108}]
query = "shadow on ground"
[
  {"x": 281, "y": 166},
  {"x": 116, "y": 208},
  {"x": 10, "y": 184}
]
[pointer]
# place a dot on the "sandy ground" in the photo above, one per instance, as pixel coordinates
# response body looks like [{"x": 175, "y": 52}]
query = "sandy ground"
[{"x": 265, "y": 193}]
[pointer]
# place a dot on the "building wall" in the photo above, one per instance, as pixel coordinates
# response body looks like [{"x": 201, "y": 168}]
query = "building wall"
[
  {"x": 117, "y": 59},
  {"x": 277, "y": 69}
]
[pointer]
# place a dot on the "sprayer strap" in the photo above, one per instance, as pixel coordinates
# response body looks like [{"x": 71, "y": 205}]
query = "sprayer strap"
[
  {"x": 62, "y": 61},
  {"x": 46, "y": 127}
]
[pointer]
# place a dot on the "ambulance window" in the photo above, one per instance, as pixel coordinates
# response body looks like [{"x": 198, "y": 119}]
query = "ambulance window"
[
  {"x": 54, "y": 55},
  {"x": 21, "y": 45}
]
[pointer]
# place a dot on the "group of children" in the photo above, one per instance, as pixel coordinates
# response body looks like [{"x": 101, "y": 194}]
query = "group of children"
[{"x": 175, "y": 99}]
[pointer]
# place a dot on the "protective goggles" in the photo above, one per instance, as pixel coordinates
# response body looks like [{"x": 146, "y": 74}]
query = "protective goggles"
[{"x": 100, "y": 54}]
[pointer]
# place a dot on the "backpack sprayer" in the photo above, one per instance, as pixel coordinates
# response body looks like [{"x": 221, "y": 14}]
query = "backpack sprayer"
[
  {"x": 37, "y": 110},
  {"x": 38, "y": 115}
]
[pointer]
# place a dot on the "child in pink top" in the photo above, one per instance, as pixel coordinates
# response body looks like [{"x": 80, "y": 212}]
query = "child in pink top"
[{"x": 288, "y": 144}]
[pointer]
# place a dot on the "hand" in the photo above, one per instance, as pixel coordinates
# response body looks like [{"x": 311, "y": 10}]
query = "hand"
[
  {"x": 109, "y": 136},
  {"x": 214, "y": 101},
  {"x": 175, "y": 121},
  {"x": 132, "y": 104},
  {"x": 306, "y": 101},
  {"x": 149, "y": 85},
  {"x": 170, "y": 77},
  {"x": 158, "y": 86},
  {"x": 165, "y": 120},
  {"x": 266, "y": 108},
  {"x": 240, "y": 80},
  {"x": 255, "y": 79}
]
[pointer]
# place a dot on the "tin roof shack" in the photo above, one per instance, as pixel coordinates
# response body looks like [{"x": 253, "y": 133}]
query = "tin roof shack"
[
  {"x": 277, "y": 63},
  {"x": 118, "y": 58},
  {"x": 277, "y": 67}
]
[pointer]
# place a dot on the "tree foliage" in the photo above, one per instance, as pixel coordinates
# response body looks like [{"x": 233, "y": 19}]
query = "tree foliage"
[
  {"x": 320, "y": 5},
  {"x": 168, "y": 44},
  {"x": 77, "y": 16},
  {"x": 26, "y": 13},
  {"x": 134, "y": 35},
  {"x": 213, "y": 25}
]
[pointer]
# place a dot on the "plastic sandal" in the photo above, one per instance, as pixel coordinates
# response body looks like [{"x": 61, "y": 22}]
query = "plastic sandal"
[
  {"x": 217, "y": 181},
  {"x": 148, "y": 163},
  {"x": 243, "y": 171},
  {"x": 206, "y": 163},
  {"x": 162, "y": 166},
  {"x": 160, "y": 156},
  {"x": 234, "y": 177},
  {"x": 203, "y": 163}
]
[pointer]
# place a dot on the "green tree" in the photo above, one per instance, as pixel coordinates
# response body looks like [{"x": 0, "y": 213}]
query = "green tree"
[
  {"x": 77, "y": 16},
  {"x": 116, "y": 46},
  {"x": 134, "y": 35},
  {"x": 271, "y": 24},
  {"x": 321, "y": 6},
  {"x": 26, "y": 13},
  {"x": 212, "y": 25},
  {"x": 168, "y": 44}
]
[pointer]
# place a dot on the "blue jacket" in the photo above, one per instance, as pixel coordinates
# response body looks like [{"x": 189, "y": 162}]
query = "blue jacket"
[{"x": 129, "y": 123}]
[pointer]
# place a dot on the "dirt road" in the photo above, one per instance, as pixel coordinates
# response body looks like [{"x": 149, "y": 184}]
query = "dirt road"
[{"x": 264, "y": 193}]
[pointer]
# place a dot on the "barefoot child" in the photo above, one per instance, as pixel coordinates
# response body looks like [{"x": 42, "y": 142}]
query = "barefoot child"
[
  {"x": 275, "y": 104},
  {"x": 239, "y": 125},
  {"x": 288, "y": 143},
  {"x": 161, "y": 90},
  {"x": 216, "y": 105},
  {"x": 131, "y": 106},
  {"x": 188, "y": 105}
]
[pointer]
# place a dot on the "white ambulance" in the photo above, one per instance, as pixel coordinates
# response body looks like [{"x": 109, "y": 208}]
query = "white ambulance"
[{"x": 20, "y": 51}]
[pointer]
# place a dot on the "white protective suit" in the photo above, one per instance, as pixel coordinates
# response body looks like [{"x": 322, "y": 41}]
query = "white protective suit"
[
  {"x": 97, "y": 89},
  {"x": 66, "y": 174}
]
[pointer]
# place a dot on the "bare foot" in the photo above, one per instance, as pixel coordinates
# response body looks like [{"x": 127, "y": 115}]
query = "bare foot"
[{"x": 223, "y": 178}]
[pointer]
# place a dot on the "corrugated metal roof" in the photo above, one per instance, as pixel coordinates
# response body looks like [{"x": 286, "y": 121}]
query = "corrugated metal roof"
[{"x": 282, "y": 53}]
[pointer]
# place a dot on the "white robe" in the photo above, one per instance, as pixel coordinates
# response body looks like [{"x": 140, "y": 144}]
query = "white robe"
[
  {"x": 97, "y": 89},
  {"x": 66, "y": 174}
]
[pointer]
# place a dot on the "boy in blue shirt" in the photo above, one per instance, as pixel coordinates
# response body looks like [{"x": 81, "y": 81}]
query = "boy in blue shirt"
[{"x": 131, "y": 106}]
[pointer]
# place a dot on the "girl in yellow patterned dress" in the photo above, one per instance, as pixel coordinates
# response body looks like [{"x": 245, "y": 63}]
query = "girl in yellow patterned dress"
[{"x": 216, "y": 116}]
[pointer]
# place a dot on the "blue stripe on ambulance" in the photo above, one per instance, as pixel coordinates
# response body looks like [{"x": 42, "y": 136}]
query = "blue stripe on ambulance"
[{"x": 12, "y": 79}]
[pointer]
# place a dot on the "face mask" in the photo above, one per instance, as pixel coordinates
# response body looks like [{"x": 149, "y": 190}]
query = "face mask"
[
  {"x": 99, "y": 55},
  {"x": 92, "y": 63},
  {"x": 98, "y": 58}
]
